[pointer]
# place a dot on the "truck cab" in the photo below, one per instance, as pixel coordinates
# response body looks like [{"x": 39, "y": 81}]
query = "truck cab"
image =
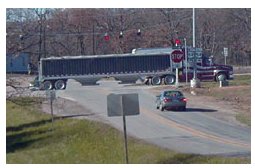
[{"x": 208, "y": 70}]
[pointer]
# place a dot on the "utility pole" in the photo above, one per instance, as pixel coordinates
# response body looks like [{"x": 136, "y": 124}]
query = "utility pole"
[
  {"x": 121, "y": 34},
  {"x": 194, "y": 27},
  {"x": 40, "y": 38},
  {"x": 44, "y": 36},
  {"x": 194, "y": 83},
  {"x": 186, "y": 60},
  {"x": 93, "y": 38},
  {"x": 194, "y": 44}
]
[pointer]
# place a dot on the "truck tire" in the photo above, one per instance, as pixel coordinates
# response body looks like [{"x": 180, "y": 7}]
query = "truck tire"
[
  {"x": 221, "y": 76},
  {"x": 60, "y": 85},
  {"x": 47, "y": 85},
  {"x": 169, "y": 80},
  {"x": 156, "y": 80}
]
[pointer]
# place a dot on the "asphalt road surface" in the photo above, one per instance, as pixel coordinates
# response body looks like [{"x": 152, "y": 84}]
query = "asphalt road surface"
[{"x": 193, "y": 131}]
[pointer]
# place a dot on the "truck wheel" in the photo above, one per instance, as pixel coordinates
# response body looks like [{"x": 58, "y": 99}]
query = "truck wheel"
[
  {"x": 60, "y": 85},
  {"x": 47, "y": 85},
  {"x": 156, "y": 80},
  {"x": 169, "y": 80},
  {"x": 221, "y": 77}
]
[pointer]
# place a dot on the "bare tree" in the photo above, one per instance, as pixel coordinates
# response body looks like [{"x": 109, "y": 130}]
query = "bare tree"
[{"x": 81, "y": 31}]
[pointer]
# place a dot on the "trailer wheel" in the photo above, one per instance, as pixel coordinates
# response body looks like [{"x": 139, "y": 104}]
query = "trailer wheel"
[
  {"x": 47, "y": 85},
  {"x": 156, "y": 80},
  {"x": 169, "y": 80},
  {"x": 60, "y": 85}
]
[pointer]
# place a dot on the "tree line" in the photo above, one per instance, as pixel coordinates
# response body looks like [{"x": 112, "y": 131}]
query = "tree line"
[{"x": 68, "y": 32}]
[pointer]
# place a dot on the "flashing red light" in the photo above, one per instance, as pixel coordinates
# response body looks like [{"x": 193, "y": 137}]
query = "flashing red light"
[
  {"x": 184, "y": 99},
  {"x": 106, "y": 37},
  {"x": 177, "y": 42}
]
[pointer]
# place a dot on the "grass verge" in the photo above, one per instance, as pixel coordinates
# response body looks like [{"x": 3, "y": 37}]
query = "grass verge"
[{"x": 31, "y": 139}]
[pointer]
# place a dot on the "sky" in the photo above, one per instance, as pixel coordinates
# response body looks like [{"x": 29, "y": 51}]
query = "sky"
[{"x": 107, "y": 4}]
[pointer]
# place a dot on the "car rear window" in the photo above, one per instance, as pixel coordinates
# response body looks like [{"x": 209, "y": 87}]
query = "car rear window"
[{"x": 173, "y": 93}]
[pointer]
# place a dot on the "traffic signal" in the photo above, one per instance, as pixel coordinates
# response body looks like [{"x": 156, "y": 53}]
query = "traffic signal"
[
  {"x": 21, "y": 37},
  {"x": 106, "y": 37},
  {"x": 121, "y": 35},
  {"x": 177, "y": 42},
  {"x": 139, "y": 32}
]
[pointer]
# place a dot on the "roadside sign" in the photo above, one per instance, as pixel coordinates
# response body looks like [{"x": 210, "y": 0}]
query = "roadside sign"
[
  {"x": 225, "y": 51},
  {"x": 177, "y": 56},
  {"x": 122, "y": 104},
  {"x": 51, "y": 94},
  {"x": 191, "y": 52}
]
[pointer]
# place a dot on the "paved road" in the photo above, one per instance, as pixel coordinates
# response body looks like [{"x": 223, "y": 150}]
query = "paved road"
[{"x": 193, "y": 131}]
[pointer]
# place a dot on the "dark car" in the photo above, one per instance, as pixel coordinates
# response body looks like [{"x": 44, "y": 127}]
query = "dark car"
[{"x": 171, "y": 99}]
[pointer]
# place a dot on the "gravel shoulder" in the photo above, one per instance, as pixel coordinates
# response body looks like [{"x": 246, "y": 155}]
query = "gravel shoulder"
[{"x": 69, "y": 109}]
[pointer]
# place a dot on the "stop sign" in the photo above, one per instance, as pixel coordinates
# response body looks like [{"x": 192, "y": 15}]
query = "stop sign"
[{"x": 177, "y": 56}]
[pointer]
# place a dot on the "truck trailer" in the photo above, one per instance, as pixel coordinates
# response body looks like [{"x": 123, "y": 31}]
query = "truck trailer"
[{"x": 127, "y": 68}]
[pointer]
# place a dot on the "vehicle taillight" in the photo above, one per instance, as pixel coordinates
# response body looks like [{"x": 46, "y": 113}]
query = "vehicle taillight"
[
  {"x": 167, "y": 100},
  {"x": 184, "y": 99}
]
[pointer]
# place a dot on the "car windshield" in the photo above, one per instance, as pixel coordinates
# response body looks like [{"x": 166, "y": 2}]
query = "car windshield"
[{"x": 172, "y": 94}]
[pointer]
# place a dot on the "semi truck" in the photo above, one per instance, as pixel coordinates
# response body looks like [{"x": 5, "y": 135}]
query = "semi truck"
[{"x": 151, "y": 66}]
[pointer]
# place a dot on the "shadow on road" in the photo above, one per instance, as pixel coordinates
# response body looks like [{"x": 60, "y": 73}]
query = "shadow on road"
[
  {"x": 200, "y": 110},
  {"x": 194, "y": 110}
]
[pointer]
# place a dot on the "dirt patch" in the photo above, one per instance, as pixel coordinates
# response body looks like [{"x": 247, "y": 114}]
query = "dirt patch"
[
  {"x": 17, "y": 85},
  {"x": 237, "y": 96}
]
